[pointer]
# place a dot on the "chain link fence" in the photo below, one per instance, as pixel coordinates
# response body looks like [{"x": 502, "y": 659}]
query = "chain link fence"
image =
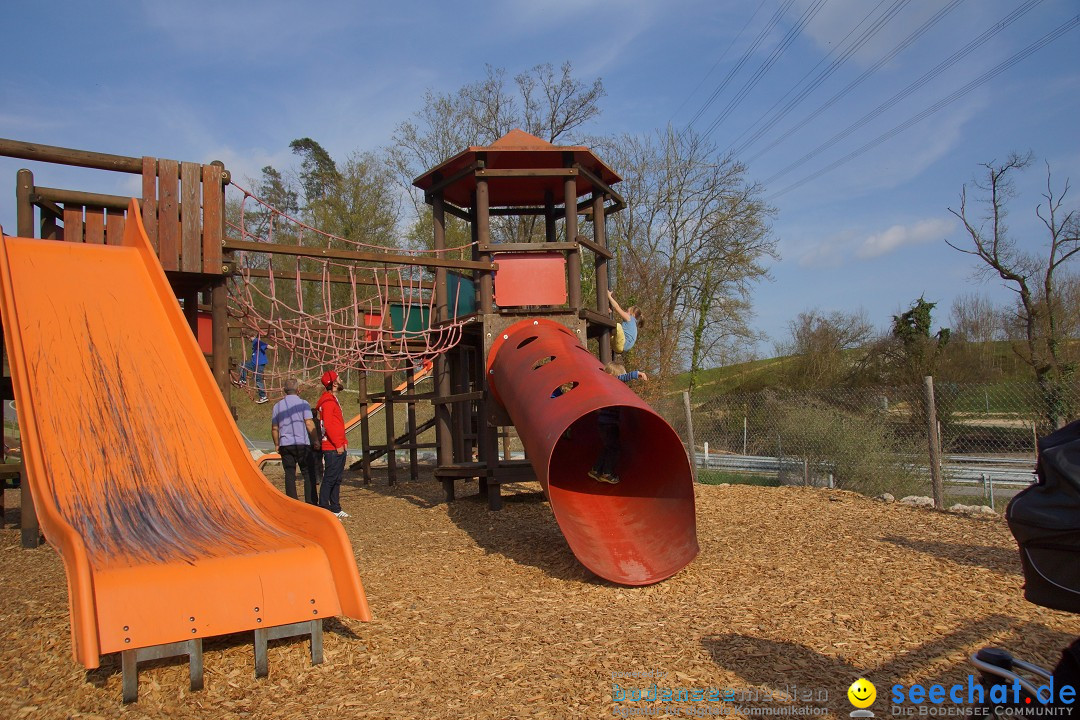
[{"x": 876, "y": 440}]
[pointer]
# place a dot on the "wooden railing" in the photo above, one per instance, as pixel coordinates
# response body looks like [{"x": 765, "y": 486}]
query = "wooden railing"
[{"x": 183, "y": 205}]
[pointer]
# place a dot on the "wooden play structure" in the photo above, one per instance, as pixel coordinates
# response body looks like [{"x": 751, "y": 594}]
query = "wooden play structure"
[{"x": 504, "y": 333}]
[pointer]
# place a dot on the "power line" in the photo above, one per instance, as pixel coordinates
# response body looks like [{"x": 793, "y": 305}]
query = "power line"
[
  {"x": 742, "y": 61},
  {"x": 791, "y": 104},
  {"x": 956, "y": 95},
  {"x": 909, "y": 90},
  {"x": 718, "y": 61},
  {"x": 903, "y": 45},
  {"x": 749, "y": 85}
]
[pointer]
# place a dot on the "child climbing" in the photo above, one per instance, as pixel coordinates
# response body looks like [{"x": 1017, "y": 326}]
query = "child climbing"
[
  {"x": 256, "y": 364},
  {"x": 607, "y": 420},
  {"x": 626, "y": 332}
]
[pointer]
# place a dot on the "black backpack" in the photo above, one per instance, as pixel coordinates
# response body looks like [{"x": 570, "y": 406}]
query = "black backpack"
[{"x": 1045, "y": 520}]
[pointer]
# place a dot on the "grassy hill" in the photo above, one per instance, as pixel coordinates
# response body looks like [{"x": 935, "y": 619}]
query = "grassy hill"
[{"x": 987, "y": 364}]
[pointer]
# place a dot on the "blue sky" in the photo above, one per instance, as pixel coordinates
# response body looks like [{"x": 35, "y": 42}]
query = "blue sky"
[{"x": 237, "y": 81}]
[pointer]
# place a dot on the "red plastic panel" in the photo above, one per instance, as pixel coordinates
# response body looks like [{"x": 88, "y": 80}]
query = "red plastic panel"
[
  {"x": 530, "y": 279},
  {"x": 638, "y": 532},
  {"x": 206, "y": 333},
  {"x": 372, "y": 321}
]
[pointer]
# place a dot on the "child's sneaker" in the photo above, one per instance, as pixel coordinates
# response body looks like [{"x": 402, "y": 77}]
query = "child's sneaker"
[
  {"x": 342, "y": 514},
  {"x": 262, "y": 400},
  {"x": 609, "y": 479}
]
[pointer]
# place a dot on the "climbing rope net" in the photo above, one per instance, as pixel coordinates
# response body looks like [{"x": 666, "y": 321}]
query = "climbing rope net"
[{"x": 317, "y": 313}]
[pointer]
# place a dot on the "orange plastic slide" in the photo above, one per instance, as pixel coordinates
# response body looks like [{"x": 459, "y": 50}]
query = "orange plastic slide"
[
  {"x": 140, "y": 478},
  {"x": 354, "y": 422}
]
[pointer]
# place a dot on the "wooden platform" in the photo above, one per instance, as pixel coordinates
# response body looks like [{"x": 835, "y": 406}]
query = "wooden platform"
[{"x": 505, "y": 471}]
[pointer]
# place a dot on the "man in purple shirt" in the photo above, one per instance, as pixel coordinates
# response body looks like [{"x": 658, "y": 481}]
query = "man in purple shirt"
[{"x": 293, "y": 430}]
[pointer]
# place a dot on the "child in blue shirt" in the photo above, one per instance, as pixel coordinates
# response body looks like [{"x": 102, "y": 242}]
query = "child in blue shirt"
[
  {"x": 626, "y": 332},
  {"x": 256, "y": 364}
]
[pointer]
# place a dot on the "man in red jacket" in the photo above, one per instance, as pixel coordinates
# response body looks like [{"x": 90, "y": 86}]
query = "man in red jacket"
[{"x": 334, "y": 444}]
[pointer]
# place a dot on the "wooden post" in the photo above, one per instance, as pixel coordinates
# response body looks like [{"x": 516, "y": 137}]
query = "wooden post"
[
  {"x": 410, "y": 388},
  {"x": 24, "y": 209},
  {"x": 550, "y": 231},
  {"x": 365, "y": 428},
  {"x": 1035, "y": 439},
  {"x": 459, "y": 412},
  {"x": 388, "y": 409},
  {"x": 602, "y": 305},
  {"x": 487, "y": 435},
  {"x": 690, "y": 433},
  {"x": 573, "y": 258},
  {"x": 24, "y": 224},
  {"x": 444, "y": 451},
  {"x": 191, "y": 311},
  {"x": 935, "y": 443},
  {"x": 483, "y": 236},
  {"x": 219, "y": 330}
]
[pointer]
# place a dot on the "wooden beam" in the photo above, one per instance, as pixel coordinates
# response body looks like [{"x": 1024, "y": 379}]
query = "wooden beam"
[
  {"x": 331, "y": 253},
  {"x": 529, "y": 247},
  {"x": 68, "y": 156},
  {"x": 447, "y": 182},
  {"x": 528, "y": 172},
  {"x": 76, "y": 197},
  {"x": 599, "y": 184},
  {"x": 517, "y": 211},
  {"x": 598, "y": 249},
  {"x": 318, "y": 277},
  {"x": 457, "y": 212}
]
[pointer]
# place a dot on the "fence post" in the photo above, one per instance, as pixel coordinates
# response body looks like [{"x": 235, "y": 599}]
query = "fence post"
[
  {"x": 690, "y": 433},
  {"x": 744, "y": 435},
  {"x": 706, "y": 453},
  {"x": 935, "y": 443}
]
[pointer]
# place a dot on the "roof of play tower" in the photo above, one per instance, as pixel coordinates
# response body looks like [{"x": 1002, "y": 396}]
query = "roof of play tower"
[{"x": 516, "y": 150}]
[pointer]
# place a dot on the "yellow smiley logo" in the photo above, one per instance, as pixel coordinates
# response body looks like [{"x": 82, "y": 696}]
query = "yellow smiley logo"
[{"x": 862, "y": 693}]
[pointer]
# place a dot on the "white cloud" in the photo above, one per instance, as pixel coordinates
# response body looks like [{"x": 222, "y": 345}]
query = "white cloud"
[
  {"x": 828, "y": 253},
  {"x": 898, "y": 236}
]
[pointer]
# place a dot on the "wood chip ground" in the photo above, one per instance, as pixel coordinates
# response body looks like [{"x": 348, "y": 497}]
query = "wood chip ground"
[{"x": 488, "y": 615}]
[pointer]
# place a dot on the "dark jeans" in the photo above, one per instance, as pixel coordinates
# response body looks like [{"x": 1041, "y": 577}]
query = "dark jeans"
[
  {"x": 314, "y": 466},
  {"x": 609, "y": 455},
  {"x": 257, "y": 371},
  {"x": 333, "y": 469},
  {"x": 291, "y": 456}
]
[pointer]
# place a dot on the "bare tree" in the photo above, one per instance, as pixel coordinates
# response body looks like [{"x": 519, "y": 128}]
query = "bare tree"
[
  {"x": 548, "y": 103},
  {"x": 974, "y": 319},
  {"x": 1033, "y": 277},
  {"x": 821, "y": 343},
  {"x": 691, "y": 243}
]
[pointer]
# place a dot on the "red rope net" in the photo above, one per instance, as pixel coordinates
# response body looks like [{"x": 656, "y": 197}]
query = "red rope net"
[{"x": 320, "y": 314}]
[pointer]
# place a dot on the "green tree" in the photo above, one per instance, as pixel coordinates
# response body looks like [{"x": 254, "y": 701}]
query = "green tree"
[
  {"x": 318, "y": 173},
  {"x": 917, "y": 350}
]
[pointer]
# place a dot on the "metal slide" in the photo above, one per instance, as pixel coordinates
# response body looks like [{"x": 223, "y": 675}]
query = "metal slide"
[
  {"x": 638, "y": 532},
  {"x": 140, "y": 478}
]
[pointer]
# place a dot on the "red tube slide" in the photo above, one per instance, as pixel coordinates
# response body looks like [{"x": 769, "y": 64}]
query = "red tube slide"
[{"x": 643, "y": 529}]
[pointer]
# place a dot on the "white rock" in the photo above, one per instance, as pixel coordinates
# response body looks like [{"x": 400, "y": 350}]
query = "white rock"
[
  {"x": 886, "y": 497},
  {"x": 972, "y": 509},
  {"x": 917, "y": 501}
]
